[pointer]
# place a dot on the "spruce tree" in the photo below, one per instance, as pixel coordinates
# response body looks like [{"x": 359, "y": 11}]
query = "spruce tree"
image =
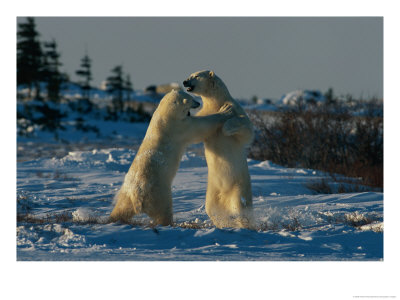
[
  {"x": 50, "y": 71},
  {"x": 85, "y": 73},
  {"x": 128, "y": 87},
  {"x": 115, "y": 87},
  {"x": 29, "y": 56}
]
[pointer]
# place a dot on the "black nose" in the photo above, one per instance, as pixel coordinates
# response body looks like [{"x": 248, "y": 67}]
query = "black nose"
[{"x": 185, "y": 82}]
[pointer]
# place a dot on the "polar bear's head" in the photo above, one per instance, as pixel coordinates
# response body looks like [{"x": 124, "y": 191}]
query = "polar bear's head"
[
  {"x": 176, "y": 105},
  {"x": 201, "y": 83}
]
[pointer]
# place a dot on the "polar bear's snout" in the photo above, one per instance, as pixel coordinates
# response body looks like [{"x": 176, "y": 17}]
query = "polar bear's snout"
[{"x": 188, "y": 84}]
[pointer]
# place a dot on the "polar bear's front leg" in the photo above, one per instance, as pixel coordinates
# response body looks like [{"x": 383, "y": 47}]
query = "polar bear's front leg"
[
  {"x": 197, "y": 129},
  {"x": 239, "y": 126}
]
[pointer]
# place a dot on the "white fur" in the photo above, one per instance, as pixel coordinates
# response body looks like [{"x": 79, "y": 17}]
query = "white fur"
[
  {"x": 229, "y": 197},
  {"x": 147, "y": 185}
]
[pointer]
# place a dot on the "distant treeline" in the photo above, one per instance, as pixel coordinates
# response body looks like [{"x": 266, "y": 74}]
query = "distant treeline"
[
  {"x": 39, "y": 66},
  {"x": 39, "y": 72}
]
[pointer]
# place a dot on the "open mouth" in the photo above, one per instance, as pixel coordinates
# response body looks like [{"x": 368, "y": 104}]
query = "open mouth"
[{"x": 187, "y": 85}]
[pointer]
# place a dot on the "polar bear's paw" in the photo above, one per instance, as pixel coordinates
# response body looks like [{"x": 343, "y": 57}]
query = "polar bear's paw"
[{"x": 227, "y": 110}]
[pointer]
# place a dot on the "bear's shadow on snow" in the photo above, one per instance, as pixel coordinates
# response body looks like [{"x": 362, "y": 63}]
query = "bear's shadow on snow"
[{"x": 112, "y": 166}]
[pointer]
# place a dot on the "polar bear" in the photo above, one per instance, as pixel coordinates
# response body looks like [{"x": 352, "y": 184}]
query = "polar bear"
[
  {"x": 147, "y": 185},
  {"x": 229, "y": 196}
]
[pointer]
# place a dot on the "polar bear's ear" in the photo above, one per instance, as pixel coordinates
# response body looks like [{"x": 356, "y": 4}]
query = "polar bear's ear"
[
  {"x": 212, "y": 81},
  {"x": 185, "y": 101}
]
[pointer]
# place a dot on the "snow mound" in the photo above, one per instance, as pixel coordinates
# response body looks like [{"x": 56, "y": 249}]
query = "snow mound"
[
  {"x": 307, "y": 96},
  {"x": 82, "y": 214},
  {"x": 117, "y": 159}
]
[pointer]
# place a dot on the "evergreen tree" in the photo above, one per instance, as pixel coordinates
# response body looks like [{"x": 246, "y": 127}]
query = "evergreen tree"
[
  {"x": 116, "y": 87},
  {"x": 29, "y": 56},
  {"x": 128, "y": 87},
  {"x": 85, "y": 73},
  {"x": 329, "y": 96},
  {"x": 50, "y": 71}
]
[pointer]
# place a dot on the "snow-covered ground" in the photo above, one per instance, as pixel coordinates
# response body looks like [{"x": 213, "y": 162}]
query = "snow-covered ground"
[
  {"x": 65, "y": 191},
  {"x": 65, "y": 200}
]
